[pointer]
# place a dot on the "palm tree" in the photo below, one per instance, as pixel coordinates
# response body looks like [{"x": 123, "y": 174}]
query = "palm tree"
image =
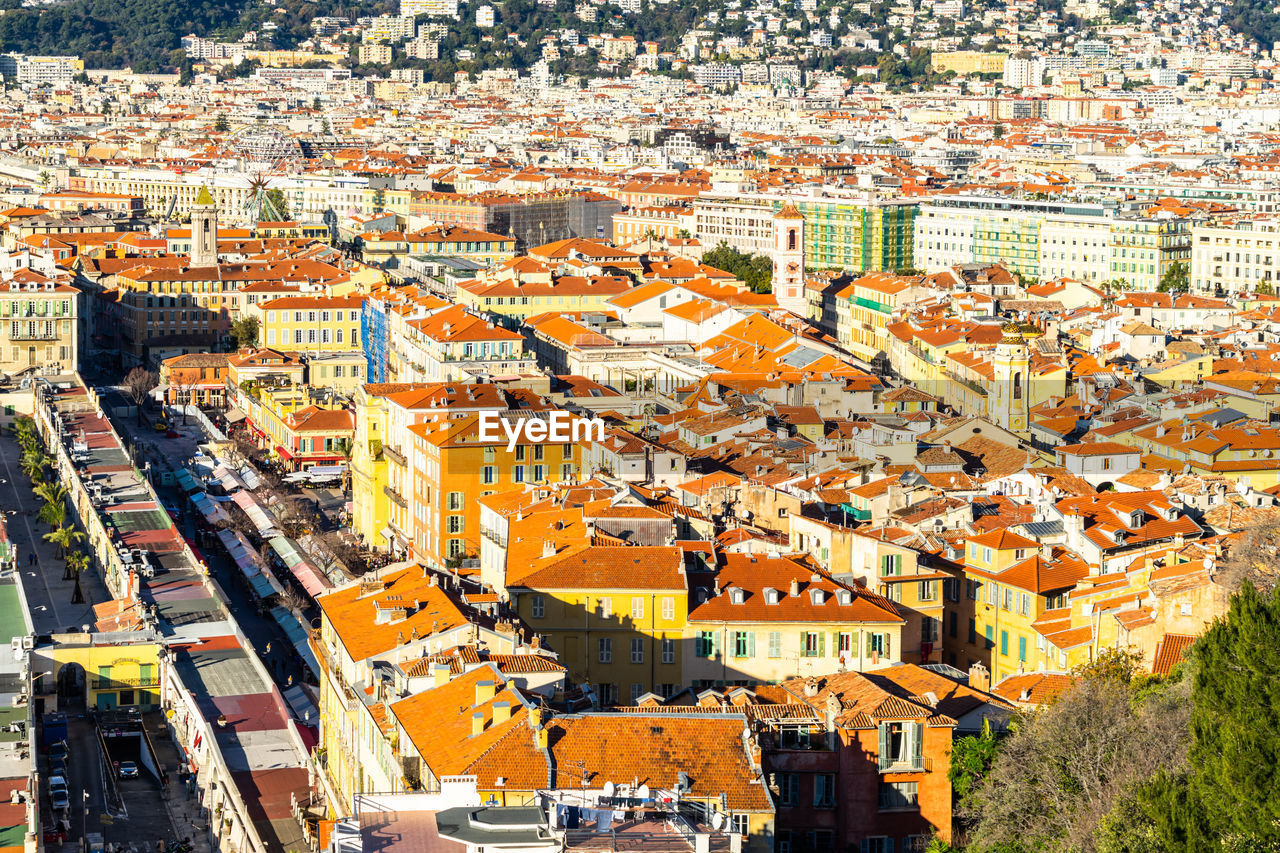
[
  {"x": 33, "y": 465},
  {"x": 77, "y": 562},
  {"x": 346, "y": 447},
  {"x": 54, "y": 511},
  {"x": 65, "y": 538},
  {"x": 24, "y": 430}
]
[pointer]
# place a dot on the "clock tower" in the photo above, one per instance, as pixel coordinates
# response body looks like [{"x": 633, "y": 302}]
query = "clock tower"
[{"x": 788, "y": 260}]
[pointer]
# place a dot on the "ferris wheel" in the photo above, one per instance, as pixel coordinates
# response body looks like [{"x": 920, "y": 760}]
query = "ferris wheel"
[{"x": 263, "y": 156}]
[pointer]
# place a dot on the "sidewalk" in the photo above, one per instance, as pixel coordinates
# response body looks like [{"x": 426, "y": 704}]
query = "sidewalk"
[
  {"x": 186, "y": 815},
  {"x": 48, "y": 595}
]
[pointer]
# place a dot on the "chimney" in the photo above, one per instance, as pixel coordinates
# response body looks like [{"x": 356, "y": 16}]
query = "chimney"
[
  {"x": 795, "y": 588},
  {"x": 548, "y": 548},
  {"x": 484, "y": 691},
  {"x": 439, "y": 674},
  {"x": 536, "y": 716},
  {"x": 979, "y": 677},
  {"x": 501, "y": 712},
  {"x": 477, "y": 723}
]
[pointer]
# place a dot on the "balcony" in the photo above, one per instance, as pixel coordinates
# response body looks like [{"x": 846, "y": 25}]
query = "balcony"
[
  {"x": 395, "y": 497},
  {"x": 918, "y": 764},
  {"x": 110, "y": 683},
  {"x": 393, "y": 454},
  {"x": 34, "y": 333}
]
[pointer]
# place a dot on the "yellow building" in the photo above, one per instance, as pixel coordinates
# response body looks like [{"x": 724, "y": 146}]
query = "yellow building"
[
  {"x": 301, "y": 425},
  {"x": 616, "y": 618},
  {"x": 526, "y": 294},
  {"x": 126, "y": 675},
  {"x": 382, "y": 481},
  {"x": 397, "y": 617},
  {"x": 864, "y": 310},
  {"x": 38, "y": 326},
  {"x": 769, "y": 619},
  {"x": 370, "y": 505},
  {"x": 313, "y": 324},
  {"x": 1013, "y": 588},
  {"x": 964, "y": 62},
  {"x": 451, "y": 463}
]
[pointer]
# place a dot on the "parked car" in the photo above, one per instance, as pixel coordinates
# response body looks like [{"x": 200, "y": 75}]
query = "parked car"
[
  {"x": 59, "y": 798},
  {"x": 127, "y": 769},
  {"x": 58, "y": 765},
  {"x": 58, "y": 750}
]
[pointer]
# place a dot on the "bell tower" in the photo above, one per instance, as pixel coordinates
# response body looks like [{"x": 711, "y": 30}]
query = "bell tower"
[
  {"x": 204, "y": 230},
  {"x": 788, "y": 260},
  {"x": 1011, "y": 363}
]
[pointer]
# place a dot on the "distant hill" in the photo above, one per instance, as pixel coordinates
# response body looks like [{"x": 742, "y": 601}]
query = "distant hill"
[
  {"x": 1255, "y": 18},
  {"x": 112, "y": 33}
]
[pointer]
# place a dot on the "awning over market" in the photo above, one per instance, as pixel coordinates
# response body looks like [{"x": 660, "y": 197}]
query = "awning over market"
[
  {"x": 312, "y": 580},
  {"x": 212, "y": 512},
  {"x": 186, "y": 482},
  {"x": 296, "y": 634},
  {"x": 257, "y": 514},
  {"x": 260, "y": 579}
]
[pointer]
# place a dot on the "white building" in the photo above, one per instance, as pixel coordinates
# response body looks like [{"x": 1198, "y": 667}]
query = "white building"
[
  {"x": 1021, "y": 73},
  {"x": 40, "y": 70},
  {"x": 1235, "y": 257},
  {"x": 387, "y": 28},
  {"x": 485, "y": 17},
  {"x": 716, "y": 74},
  {"x": 434, "y": 8}
]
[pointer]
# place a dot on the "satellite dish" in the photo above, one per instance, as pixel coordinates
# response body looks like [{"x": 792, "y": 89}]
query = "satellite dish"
[
  {"x": 717, "y": 821},
  {"x": 643, "y": 792},
  {"x": 608, "y": 789}
]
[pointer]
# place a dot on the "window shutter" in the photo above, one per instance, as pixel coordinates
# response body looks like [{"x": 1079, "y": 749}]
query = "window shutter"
[
  {"x": 888, "y": 645},
  {"x": 822, "y": 644},
  {"x": 883, "y": 755},
  {"x": 751, "y": 644},
  {"x": 870, "y": 648},
  {"x": 888, "y": 845},
  {"x": 897, "y": 564},
  {"x": 866, "y": 846},
  {"x": 918, "y": 745},
  {"x": 715, "y": 644}
]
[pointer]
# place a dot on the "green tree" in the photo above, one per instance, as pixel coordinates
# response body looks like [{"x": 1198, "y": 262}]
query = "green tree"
[
  {"x": 221, "y": 124},
  {"x": 64, "y": 538},
  {"x": 24, "y": 430},
  {"x": 345, "y": 448},
  {"x": 1067, "y": 765},
  {"x": 755, "y": 271},
  {"x": 33, "y": 464},
  {"x": 281, "y": 204},
  {"x": 76, "y": 562},
  {"x": 245, "y": 332},
  {"x": 1175, "y": 279},
  {"x": 1264, "y": 288},
  {"x": 1235, "y": 725},
  {"x": 54, "y": 511}
]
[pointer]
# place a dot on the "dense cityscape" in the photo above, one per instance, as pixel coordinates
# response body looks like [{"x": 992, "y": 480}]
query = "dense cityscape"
[{"x": 435, "y": 426}]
